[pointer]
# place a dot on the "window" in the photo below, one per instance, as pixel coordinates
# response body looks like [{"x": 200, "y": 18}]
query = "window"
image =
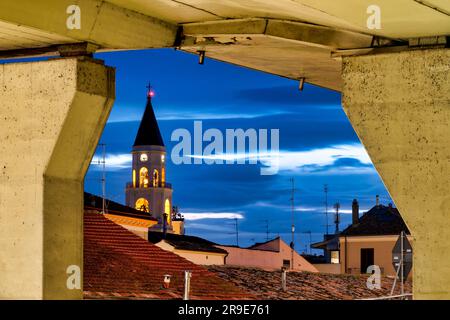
[
  {"x": 163, "y": 176},
  {"x": 167, "y": 210},
  {"x": 287, "y": 264},
  {"x": 155, "y": 178},
  {"x": 143, "y": 178},
  {"x": 143, "y": 205},
  {"x": 334, "y": 256},
  {"x": 134, "y": 178},
  {"x": 367, "y": 259}
]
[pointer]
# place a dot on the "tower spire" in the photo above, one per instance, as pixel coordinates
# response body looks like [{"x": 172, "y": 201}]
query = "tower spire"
[{"x": 148, "y": 133}]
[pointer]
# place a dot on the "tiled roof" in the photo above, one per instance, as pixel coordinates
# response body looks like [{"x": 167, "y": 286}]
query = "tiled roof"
[
  {"x": 380, "y": 220},
  {"x": 91, "y": 201},
  {"x": 184, "y": 242},
  {"x": 266, "y": 285},
  {"x": 120, "y": 265}
]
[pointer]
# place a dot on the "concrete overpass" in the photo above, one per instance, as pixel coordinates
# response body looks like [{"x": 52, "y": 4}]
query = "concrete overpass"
[{"x": 390, "y": 59}]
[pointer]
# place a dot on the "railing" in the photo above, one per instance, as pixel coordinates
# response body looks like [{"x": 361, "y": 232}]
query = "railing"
[{"x": 150, "y": 185}]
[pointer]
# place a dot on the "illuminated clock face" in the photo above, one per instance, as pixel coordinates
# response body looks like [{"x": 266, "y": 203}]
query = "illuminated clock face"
[{"x": 144, "y": 157}]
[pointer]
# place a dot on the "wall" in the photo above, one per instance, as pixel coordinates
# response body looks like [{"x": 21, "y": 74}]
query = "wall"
[
  {"x": 197, "y": 257},
  {"x": 382, "y": 246},
  {"x": 270, "y": 260},
  {"x": 333, "y": 268}
]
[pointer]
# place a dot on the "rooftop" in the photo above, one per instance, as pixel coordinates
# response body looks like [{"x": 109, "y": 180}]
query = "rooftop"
[
  {"x": 184, "y": 242},
  {"x": 266, "y": 285},
  {"x": 120, "y": 265},
  {"x": 380, "y": 220},
  {"x": 92, "y": 201}
]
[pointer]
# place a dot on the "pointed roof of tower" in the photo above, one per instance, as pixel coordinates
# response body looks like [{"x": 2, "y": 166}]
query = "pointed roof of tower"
[{"x": 148, "y": 133}]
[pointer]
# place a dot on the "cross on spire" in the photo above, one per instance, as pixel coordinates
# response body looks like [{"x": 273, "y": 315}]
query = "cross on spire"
[{"x": 150, "y": 92}]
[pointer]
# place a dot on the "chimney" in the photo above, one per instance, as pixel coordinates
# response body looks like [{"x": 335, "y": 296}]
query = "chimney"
[
  {"x": 377, "y": 200},
  {"x": 355, "y": 212}
]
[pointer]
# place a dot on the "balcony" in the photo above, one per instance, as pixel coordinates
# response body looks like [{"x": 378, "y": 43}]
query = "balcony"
[{"x": 159, "y": 185}]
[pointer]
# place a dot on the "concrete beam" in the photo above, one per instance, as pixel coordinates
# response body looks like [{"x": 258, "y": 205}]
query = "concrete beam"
[
  {"x": 399, "y": 105},
  {"x": 52, "y": 114},
  {"x": 304, "y": 33},
  {"x": 102, "y": 23}
]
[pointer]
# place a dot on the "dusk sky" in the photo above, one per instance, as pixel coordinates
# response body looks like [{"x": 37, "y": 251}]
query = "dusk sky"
[{"x": 317, "y": 146}]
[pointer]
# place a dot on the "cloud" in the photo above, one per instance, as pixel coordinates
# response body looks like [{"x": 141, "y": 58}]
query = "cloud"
[
  {"x": 123, "y": 113},
  {"x": 113, "y": 162},
  {"x": 212, "y": 215},
  {"x": 347, "y": 157}
]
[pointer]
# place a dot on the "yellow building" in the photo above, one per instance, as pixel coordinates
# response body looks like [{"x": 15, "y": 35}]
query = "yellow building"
[{"x": 369, "y": 240}]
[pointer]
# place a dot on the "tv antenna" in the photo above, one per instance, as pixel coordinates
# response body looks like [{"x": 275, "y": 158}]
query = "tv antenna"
[
  {"x": 102, "y": 161},
  {"x": 325, "y": 189},
  {"x": 292, "y": 221},
  {"x": 337, "y": 219}
]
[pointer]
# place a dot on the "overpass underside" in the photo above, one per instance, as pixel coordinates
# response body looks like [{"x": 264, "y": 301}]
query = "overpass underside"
[{"x": 395, "y": 85}]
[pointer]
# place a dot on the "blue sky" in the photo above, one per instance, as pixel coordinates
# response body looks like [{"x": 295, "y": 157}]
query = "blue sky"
[{"x": 317, "y": 146}]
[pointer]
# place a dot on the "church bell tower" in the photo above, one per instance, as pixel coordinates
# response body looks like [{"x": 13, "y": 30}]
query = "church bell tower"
[{"x": 149, "y": 191}]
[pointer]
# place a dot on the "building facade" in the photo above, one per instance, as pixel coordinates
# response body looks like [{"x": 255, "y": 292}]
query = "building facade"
[{"x": 271, "y": 255}]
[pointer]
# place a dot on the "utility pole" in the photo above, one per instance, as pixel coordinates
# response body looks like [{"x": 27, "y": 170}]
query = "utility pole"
[
  {"x": 292, "y": 222},
  {"x": 325, "y": 189}
]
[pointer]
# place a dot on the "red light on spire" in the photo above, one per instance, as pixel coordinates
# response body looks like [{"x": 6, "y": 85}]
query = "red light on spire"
[{"x": 150, "y": 92}]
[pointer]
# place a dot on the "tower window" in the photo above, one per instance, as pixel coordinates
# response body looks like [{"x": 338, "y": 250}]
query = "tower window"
[
  {"x": 134, "y": 178},
  {"x": 143, "y": 178},
  {"x": 142, "y": 204},
  {"x": 167, "y": 210},
  {"x": 155, "y": 178}
]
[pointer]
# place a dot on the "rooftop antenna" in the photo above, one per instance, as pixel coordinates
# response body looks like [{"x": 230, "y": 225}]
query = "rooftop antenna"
[
  {"x": 337, "y": 206},
  {"x": 102, "y": 162},
  {"x": 325, "y": 189},
  {"x": 310, "y": 241},
  {"x": 292, "y": 222},
  {"x": 237, "y": 231},
  {"x": 267, "y": 229}
]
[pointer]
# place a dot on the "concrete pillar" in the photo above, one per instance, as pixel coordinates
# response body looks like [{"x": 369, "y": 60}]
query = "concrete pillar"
[
  {"x": 52, "y": 114},
  {"x": 399, "y": 105}
]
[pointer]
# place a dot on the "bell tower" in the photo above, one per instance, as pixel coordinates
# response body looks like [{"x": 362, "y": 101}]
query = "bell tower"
[{"x": 149, "y": 191}]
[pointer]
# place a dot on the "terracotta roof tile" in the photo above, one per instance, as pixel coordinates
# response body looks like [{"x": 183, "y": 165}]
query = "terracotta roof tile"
[
  {"x": 119, "y": 264},
  {"x": 266, "y": 285}
]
